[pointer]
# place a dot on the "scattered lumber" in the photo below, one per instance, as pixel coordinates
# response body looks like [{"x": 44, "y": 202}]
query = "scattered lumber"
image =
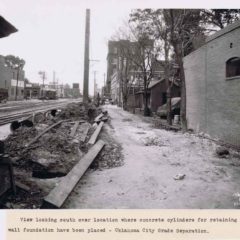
[
  {"x": 105, "y": 112},
  {"x": 42, "y": 133},
  {"x": 22, "y": 186},
  {"x": 59, "y": 194},
  {"x": 74, "y": 129},
  {"x": 98, "y": 118},
  {"x": 84, "y": 128},
  {"x": 93, "y": 138},
  {"x": 104, "y": 119}
]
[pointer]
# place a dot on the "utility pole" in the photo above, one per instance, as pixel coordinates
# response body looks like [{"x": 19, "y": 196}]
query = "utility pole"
[
  {"x": 86, "y": 57},
  {"x": 54, "y": 76},
  {"x": 95, "y": 84},
  {"x": 17, "y": 84},
  {"x": 18, "y": 73},
  {"x": 43, "y": 74}
]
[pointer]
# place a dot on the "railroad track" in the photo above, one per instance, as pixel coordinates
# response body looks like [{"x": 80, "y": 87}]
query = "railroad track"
[
  {"x": 28, "y": 113},
  {"x": 25, "y": 105}
]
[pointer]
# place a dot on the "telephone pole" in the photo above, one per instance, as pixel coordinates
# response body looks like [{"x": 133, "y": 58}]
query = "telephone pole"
[
  {"x": 86, "y": 57},
  {"x": 95, "y": 84},
  {"x": 43, "y": 74},
  {"x": 54, "y": 77}
]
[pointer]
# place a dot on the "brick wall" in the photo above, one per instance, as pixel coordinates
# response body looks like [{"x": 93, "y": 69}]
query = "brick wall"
[{"x": 213, "y": 101}]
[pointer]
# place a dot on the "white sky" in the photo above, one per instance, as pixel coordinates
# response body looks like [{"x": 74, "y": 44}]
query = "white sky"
[{"x": 51, "y": 33}]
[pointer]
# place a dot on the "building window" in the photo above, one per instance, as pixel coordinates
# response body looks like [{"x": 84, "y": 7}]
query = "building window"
[{"x": 233, "y": 67}]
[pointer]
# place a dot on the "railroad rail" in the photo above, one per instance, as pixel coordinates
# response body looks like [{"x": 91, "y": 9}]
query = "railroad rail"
[
  {"x": 9, "y": 118},
  {"x": 25, "y": 105}
]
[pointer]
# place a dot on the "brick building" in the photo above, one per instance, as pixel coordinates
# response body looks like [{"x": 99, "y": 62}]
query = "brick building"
[
  {"x": 213, "y": 84},
  {"x": 112, "y": 61},
  {"x": 117, "y": 62}
]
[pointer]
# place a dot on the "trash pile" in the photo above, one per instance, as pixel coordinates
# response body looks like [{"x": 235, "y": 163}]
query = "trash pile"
[{"x": 48, "y": 150}]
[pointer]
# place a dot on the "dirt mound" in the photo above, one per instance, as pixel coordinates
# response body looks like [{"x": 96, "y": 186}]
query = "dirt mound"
[{"x": 56, "y": 148}]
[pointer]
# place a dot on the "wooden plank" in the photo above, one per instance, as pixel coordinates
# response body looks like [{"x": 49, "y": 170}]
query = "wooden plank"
[
  {"x": 59, "y": 194},
  {"x": 93, "y": 138},
  {"x": 98, "y": 118},
  {"x": 74, "y": 129},
  {"x": 22, "y": 186},
  {"x": 84, "y": 128},
  {"x": 42, "y": 133}
]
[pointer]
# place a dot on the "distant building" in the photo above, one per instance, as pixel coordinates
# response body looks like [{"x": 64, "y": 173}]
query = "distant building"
[
  {"x": 32, "y": 90},
  {"x": 117, "y": 63},
  {"x": 212, "y": 75},
  {"x": 157, "y": 94},
  {"x": 9, "y": 78},
  {"x": 76, "y": 90}
]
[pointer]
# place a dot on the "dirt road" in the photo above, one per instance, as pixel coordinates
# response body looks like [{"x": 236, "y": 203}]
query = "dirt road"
[{"x": 152, "y": 159}]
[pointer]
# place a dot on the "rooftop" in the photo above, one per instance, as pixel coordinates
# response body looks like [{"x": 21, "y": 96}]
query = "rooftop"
[{"x": 223, "y": 31}]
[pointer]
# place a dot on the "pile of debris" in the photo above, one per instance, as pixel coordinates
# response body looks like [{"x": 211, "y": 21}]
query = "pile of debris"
[
  {"x": 111, "y": 156},
  {"x": 48, "y": 150},
  {"x": 153, "y": 141},
  {"x": 75, "y": 111}
]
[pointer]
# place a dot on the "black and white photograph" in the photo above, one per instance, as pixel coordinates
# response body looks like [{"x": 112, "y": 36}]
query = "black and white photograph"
[{"x": 112, "y": 107}]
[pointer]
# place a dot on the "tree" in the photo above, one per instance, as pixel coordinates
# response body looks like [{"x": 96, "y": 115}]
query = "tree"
[
  {"x": 15, "y": 63},
  {"x": 219, "y": 18},
  {"x": 137, "y": 51},
  {"x": 181, "y": 28},
  {"x": 183, "y": 25},
  {"x": 152, "y": 22},
  {"x": 126, "y": 67},
  {"x": 144, "y": 59}
]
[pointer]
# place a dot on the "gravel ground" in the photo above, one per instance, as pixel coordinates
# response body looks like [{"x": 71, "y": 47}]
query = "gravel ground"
[{"x": 161, "y": 169}]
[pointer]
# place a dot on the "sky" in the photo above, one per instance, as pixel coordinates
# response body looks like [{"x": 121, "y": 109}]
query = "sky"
[{"x": 51, "y": 34}]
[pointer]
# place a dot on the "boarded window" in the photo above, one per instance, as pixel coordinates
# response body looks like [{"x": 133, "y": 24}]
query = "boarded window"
[{"x": 233, "y": 67}]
